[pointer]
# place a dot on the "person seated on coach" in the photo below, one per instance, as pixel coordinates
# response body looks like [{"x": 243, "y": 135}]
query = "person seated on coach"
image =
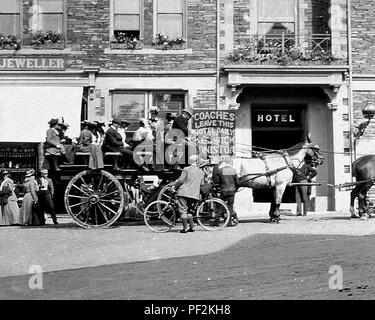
[
  {"x": 113, "y": 143},
  {"x": 99, "y": 133},
  {"x": 70, "y": 147},
  {"x": 86, "y": 144},
  {"x": 122, "y": 131},
  {"x": 53, "y": 145},
  {"x": 143, "y": 141}
]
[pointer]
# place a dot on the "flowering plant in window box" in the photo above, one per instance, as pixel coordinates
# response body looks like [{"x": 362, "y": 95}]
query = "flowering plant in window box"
[
  {"x": 122, "y": 41},
  {"x": 10, "y": 42},
  {"x": 49, "y": 39},
  {"x": 163, "y": 42}
]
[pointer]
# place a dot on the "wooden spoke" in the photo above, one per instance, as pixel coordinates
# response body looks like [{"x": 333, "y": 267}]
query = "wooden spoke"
[
  {"x": 108, "y": 194},
  {"x": 79, "y": 204},
  {"x": 100, "y": 182},
  {"x": 103, "y": 214},
  {"x": 114, "y": 212},
  {"x": 73, "y": 196},
  {"x": 88, "y": 215},
  {"x": 96, "y": 216},
  {"x": 116, "y": 201},
  {"x": 105, "y": 189},
  {"x": 76, "y": 215},
  {"x": 73, "y": 185}
]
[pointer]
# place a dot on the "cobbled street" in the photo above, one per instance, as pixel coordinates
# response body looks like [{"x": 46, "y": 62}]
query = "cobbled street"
[{"x": 256, "y": 260}]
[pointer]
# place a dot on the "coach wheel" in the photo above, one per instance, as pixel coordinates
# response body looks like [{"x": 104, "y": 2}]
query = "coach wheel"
[
  {"x": 160, "y": 216},
  {"x": 213, "y": 214},
  {"x": 94, "y": 199}
]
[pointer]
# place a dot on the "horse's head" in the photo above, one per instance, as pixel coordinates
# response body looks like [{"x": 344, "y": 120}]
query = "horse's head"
[{"x": 313, "y": 154}]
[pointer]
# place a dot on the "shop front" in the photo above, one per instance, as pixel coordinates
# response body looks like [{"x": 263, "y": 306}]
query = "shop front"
[
  {"x": 276, "y": 111},
  {"x": 32, "y": 91}
]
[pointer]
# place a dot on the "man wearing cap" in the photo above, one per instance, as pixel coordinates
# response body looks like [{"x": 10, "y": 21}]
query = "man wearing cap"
[
  {"x": 45, "y": 195},
  {"x": 188, "y": 189}
]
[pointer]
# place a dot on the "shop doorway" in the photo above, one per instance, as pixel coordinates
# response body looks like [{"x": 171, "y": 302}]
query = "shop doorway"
[{"x": 277, "y": 127}]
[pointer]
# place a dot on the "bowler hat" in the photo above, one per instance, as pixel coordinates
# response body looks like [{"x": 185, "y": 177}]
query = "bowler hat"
[
  {"x": 30, "y": 173},
  {"x": 52, "y": 122},
  {"x": 188, "y": 111},
  {"x": 154, "y": 109},
  {"x": 116, "y": 120}
]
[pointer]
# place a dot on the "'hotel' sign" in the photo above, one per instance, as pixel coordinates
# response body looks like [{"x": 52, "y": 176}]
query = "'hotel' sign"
[
  {"x": 32, "y": 64},
  {"x": 277, "y": 118}
]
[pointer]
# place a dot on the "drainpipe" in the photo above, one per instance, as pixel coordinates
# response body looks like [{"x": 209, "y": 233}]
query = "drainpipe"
[
  {"x": 350, "y": 93},
  {"x": 217, "y": 53}
]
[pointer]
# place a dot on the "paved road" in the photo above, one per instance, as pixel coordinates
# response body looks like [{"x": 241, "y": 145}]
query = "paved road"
[{"x": 256, "y": 260}]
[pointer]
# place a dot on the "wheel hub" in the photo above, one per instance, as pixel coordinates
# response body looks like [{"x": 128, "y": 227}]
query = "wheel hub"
[{"x": 94, "y": 199}]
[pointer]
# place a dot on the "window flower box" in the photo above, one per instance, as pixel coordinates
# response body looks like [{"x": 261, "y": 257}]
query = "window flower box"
[
  {"x": 163, "y": 42},
  {"x": 47, "y": 40},
  {"x": 10, "y": 42},
  {"x": 123, "y": 42}
]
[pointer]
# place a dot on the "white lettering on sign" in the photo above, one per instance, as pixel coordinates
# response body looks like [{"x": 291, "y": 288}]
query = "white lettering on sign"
[
  {"x": 275, "y": 118},
  {"x": 32, "y": 63}
]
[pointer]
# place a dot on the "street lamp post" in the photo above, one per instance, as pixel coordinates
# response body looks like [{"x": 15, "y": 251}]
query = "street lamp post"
[{"x": 368, "y": 112}]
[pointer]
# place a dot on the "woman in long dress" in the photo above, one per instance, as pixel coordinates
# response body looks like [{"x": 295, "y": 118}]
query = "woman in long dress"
[
  {"x": 11, "y": 208},
  {"x": 4, "y": 216},
  {"x": 29, "y": 214}
]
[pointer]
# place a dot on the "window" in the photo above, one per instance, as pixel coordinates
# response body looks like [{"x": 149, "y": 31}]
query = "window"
[
  {"x": 132, "y": 106},
  {"x": 46, "y": 15},
  {"x": 9, "y": 17},
  {"x": 170, "y": 18},
  {"x": 127, "y": 18},
  {"x": 276, "y": 17}
]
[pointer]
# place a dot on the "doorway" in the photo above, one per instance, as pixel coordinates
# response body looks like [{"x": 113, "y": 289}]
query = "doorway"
[{"x": 277, "y": 127}]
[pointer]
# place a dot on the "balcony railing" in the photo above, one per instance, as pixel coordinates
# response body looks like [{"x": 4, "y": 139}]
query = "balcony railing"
[{"x": 284, "y": 49}]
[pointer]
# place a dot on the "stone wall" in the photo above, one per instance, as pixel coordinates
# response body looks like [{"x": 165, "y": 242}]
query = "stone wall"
[
  {"x": 88, "y": 32},
  {"x": 363, "y": 40}
]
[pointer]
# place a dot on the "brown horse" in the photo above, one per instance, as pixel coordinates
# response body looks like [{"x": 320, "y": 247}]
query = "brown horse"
[
  {"x": 275, "y": 171},
  {"x": 363, "y": 169}
]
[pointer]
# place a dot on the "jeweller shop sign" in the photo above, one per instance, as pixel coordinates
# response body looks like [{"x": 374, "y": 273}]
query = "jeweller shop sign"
[
  {"x": 214, "y": 132},
  {"x": 23, "y": 63}
]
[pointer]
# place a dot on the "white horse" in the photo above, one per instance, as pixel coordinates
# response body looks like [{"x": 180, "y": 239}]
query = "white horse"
[{"x": 275, "y": 170}]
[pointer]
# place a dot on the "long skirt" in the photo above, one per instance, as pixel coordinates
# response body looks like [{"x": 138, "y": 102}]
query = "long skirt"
[
  {"x": 12, "y": 210},
  {"x": 96, "y": 155},
  {"x": 30, "y": 213},
  {"x": 4, "y": 217}
]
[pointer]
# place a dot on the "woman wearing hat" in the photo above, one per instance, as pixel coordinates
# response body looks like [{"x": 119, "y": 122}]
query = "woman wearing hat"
[
  {"x": 10, "y": 208},
  {"x": 29, "y": 214},
  {"x": 86, "y": 144}
]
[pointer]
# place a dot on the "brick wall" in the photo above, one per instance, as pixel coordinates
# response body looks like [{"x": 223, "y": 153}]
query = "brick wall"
[
  {"x": 88, "y": 30},
  {"x": 205, "y": 99},
  {"x": 363, "y": 40}
]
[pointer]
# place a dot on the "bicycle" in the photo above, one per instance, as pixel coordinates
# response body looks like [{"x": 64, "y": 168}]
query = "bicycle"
[{"x": 210, "y": 212}]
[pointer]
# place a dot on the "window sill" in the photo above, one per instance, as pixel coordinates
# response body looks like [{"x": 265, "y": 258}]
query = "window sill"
[
  {"x": 31, "y": 51},
  {"x": 147, "y": 51}
]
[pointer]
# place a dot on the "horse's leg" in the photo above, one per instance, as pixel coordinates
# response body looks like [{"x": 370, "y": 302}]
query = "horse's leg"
[
  {"x": 354, "y": 194},
  {"x": 362, "y": 197},
  {"x": 280, "y": 189},
  {"x": 273, "y": 205}
]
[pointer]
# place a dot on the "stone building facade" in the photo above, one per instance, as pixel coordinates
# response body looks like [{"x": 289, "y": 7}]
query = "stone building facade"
[{"x": 247, "y": 55}]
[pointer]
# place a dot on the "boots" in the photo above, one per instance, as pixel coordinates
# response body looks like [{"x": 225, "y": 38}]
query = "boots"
[{"x": 184, "y": 226}]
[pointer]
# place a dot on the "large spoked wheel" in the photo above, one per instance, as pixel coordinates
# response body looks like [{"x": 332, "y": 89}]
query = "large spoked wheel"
[
  {"x": 213, "y": 214},
  {"x": 94, "y": 199},
  {"x": 160, "y": 216}
]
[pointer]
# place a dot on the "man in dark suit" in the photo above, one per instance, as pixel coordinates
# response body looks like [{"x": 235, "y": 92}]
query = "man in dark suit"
[{"x": 113, "y": 143}]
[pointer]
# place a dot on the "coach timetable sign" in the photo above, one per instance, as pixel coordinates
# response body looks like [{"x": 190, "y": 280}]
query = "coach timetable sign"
[
  {"x": 26, "y": 63},
  {"x": 277, "y": 118},
  {"x": 214, "y": 131}
]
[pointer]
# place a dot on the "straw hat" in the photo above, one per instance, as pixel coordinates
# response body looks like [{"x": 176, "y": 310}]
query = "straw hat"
[{"x": 30, "y": 173}]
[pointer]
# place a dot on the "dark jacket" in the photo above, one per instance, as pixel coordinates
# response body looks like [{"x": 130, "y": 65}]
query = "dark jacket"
[
  {"x": 226, "y": 178},
  {"x": 181, "y": 123},
  {"x": 112, "y": 141}
]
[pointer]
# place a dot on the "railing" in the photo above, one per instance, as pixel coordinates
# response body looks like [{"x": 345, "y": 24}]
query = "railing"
[
  {"x": 285, "y": 42},
  {"x": 284, "y": 49}
]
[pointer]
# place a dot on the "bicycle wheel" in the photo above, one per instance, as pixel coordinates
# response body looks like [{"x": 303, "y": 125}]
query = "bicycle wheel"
[
  {"x": 160, "y": 216},
  {"x": 213, "y": 214}
]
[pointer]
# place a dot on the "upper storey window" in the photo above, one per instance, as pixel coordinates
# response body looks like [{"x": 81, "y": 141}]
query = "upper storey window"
[
  {"x": 9, "y": 17},
  {"x": 276, "y": 17},
  {"x": 46, "y": 15},
  {"x": 170, "y": 18},
  {"x": 127, "y": 18}
]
